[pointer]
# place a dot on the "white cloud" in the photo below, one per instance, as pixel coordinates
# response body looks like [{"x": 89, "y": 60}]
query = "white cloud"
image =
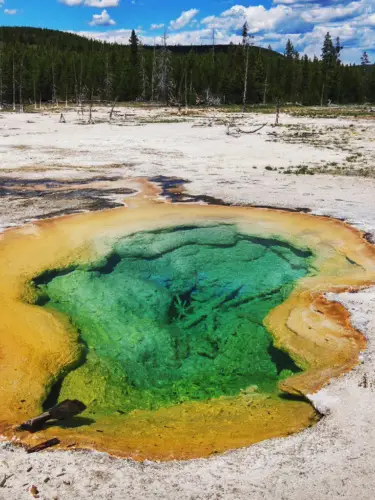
[
  {"x": 323, "y": 14},
  {"x": 71, "y": 3},
  {"x": 157, "y": 26},
  {"x": 101, "y": 3},
  {"x": 91, "y": 3},
  {"x": 10, "y": 12},
  {"x": 103, "y": 19},
  {"x": 305, "y": 22},
  {"x": 113, "y": 36},
  {"x": 184, "y": 19},
  {"x": 257, "y": 17}
]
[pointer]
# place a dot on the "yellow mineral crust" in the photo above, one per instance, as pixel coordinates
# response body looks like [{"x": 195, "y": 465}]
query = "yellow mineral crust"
[{"x": 37, "y": 345}]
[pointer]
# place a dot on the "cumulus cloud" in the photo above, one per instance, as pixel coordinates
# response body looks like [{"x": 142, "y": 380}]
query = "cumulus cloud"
[
  {"x": 103, "y": 19},
  {"x": 10, "y": 12},
  {"x": 157, "y": 26},
  {"x": 185, "y": 18},
  {"x": 324, "y": 14},
  {"x": 113, "y": 36},
  {"x": 305, "y": 22},
  {"x": 101, "y": 3},
  {"x": 92, "y": 3},
  {"x": 71, "y": 3},
  {"x": 258, "y": 18}
]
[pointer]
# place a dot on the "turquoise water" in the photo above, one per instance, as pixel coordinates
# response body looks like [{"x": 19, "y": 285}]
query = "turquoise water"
[{"x": 176, "y": 315}]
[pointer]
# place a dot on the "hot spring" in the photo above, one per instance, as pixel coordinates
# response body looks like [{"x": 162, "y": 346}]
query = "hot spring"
[
  {"x": 176, "y": 315},
  {"x": 187, "y": 330}
]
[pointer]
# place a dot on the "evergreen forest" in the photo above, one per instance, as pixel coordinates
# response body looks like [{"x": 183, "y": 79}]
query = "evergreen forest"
[{"x": 40, "y": 65}]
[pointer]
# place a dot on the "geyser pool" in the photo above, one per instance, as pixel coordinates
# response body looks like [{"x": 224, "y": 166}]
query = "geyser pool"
[
  {"x": 175, "y": 315},
  {"x": 154, "y": 314}
]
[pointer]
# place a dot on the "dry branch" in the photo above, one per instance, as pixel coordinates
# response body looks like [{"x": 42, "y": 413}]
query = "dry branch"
[
  {"x": 65, "y": 410},
  {"x": 240, "y": 131},
  {"x": 43, "y": 446}
]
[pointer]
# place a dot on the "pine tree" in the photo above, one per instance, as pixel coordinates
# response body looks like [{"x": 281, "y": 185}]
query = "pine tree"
[
  {"x": 365, "y": 61},
  {"x": 328, "y": 51},
  {"x": 331, "y": 86},
  {"x": 245, "y": 33},
  {"x": 133, "y": 41},
  {"x": 134, "y": 69},
  {"x": 290, "y": 52}
]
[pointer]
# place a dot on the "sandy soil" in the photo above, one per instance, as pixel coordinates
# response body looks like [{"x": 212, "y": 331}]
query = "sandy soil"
[{"x": 336, "y": 458}]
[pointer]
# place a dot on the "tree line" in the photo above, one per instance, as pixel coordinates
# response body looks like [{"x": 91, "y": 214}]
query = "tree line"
[{"x": 38, "y": 65}]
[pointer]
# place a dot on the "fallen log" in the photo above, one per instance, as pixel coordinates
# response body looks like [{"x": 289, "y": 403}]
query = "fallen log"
[
  {"x": 43, "y": 446},
  {"x": 63, "y": 411},
  {"x": 240, "y": 131}
]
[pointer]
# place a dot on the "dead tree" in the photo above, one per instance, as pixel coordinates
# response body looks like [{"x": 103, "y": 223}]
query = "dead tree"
[
  {"x": 277, "y": 112},
  {"x": 153, "y": 76},
  {"x": 164, "y": 70},
  {"x": 186, "y": 91},
  {"x": 246, "y": 44},
  {"x": 34, "y": 90},
  {"x": 265, "y": 89},
  {"x": 91, "y": 121},
  {"x": 21, "y": 83},
  {"x": 1, "y": 78},
  {"x": 244, "y": 96},
  {"x": 213, "y": 47},
  {"x": 14, "y": 81},
  {"x": 240, "y": 131},
  {"x": 322, "y": 96},
  {"x": 112, "y": 109},
  {"x": 143, "y": 74},
  {"x": 54, "y": 92},
  {"x": 108, "y": 82}
]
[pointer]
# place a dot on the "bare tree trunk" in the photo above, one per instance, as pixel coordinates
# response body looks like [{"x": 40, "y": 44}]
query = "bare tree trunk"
[
  {"x": 153, "y": 73},
  {"x": 66, "y": 97},
  {"x": 164, "y": 74},
  {"x": 191, "y": 83},
  {"x": 322, "y": 96},
  {"x": 186, "y": 91},
  {"x": 265, "y": 90},
  {"x": 40, "y": 101},
  {"x": 112, "y": 109},
  {"x": 75, "y": 82},
  {"x": 1, "y": 79},
  {"x": 143, "y": 72},
  {"x": 213, "y": 45},
  {"x": 14, "y": 85},
  {"x": 20, "y": 85},
  {"x": 245, "y": 79},
  {"x": 277, "y": 112},
  {"x": 53, "y": 82},
  {"x": 80, "y": 83},
  {"x": 90, "y": 110},
  {"x": 34, "y": 89}
]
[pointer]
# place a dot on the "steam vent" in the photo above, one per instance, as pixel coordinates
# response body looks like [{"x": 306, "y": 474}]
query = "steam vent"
[{"x": 187, "y": 330}]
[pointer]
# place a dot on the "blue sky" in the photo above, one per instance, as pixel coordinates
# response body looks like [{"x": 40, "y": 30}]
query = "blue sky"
[{"x": 272, "y": 22}]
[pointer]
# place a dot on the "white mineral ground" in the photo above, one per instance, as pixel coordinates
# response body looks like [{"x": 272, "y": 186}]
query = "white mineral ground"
[{"x": 336, "y": 458}]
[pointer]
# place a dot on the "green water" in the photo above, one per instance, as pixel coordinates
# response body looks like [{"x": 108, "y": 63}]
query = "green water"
[{"x": 176, "y": 315}]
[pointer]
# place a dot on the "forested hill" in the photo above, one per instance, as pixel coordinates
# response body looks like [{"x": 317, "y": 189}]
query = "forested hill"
[{"x": 40, "y": 64}]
